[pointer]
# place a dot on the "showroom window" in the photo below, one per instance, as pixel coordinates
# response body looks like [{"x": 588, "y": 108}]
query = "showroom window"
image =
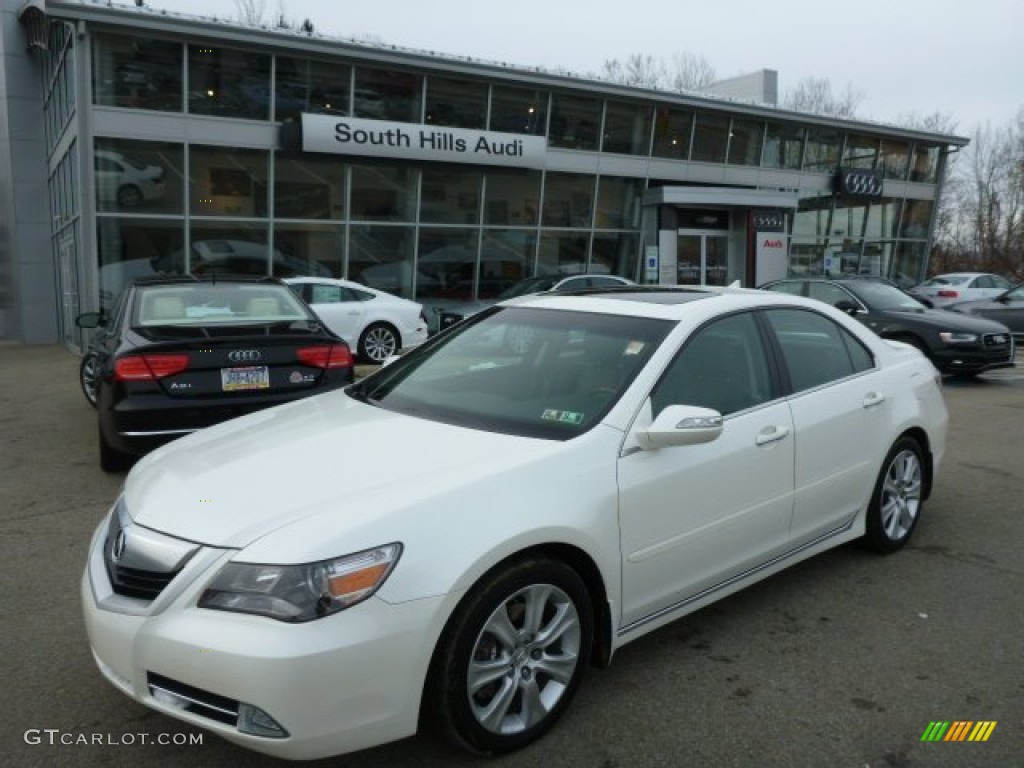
[
  {"x": 506, "y": 257},
  {"x": 383, "y": 193},
  {"x": 381, "y": 256},
  {"x": 710, "y": 137},
  {"x": 308, "y": 186},
  {"x": 925, "y": 164},
  {"x": 883, "y": 219},
  {"x": 563, "y": 252},
  {"x": 388, "y": 95},
  {"x": 784, "y": 146},
  {"x": 304, "y": 85},
  {"x": 917, "y": 215},
  {"x": 568, "y": 200},
  {"x": 615, "y": 253},
  {"x": 311, "y": 248},
  {"x": 447, "y": 265},
  {"x": 228, "y": 182},
  {"x": 511, "y": 197},
  {"x": 458, "y": 103},
  {"x": 672, "y": 131},
  {"x": 860, "y": 152},
  {"x": 745, "y": 139},
  {"x": 894, "y": 159},
  {"x": 518, "y": 110},
  {"x": 139, "y": 176},
  {"x": 822, "y": 152},
  {"x": 618, "y": 202},
  {"x": 575, "y": 122},
  {"x": 627, "y": 128},
  {"x": 451, "y": 196},
  {"x": 234, "y": 247},
  {"x": 136, "y": 72},
  {"x": 226, "y": 82},
  {"x": 128, "y": 248}
]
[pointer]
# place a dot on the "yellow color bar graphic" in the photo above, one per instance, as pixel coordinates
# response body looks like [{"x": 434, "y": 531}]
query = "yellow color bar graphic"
[{"x": 982, "y": 730}]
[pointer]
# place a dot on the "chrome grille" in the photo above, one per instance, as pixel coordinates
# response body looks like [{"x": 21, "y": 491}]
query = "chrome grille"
[
  {"x": 141, "y": 562},
  {"x": 996, "y": 339}
]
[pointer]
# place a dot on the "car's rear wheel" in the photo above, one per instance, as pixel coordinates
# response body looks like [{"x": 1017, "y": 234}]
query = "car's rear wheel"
[
  {"x": 87, "y": 375},
  {"x": 378, "y": 343},
  {"x": 111, "y": 459},
  {"x": 512, "y": 656},
  {"x": 899, "y": 493}
]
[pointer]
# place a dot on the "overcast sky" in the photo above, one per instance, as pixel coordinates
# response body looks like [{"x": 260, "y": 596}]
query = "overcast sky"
[{"x": 963, "y": 58}]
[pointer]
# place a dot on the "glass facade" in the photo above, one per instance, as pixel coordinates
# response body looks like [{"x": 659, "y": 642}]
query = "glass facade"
[{"x": 431, "y": 231}]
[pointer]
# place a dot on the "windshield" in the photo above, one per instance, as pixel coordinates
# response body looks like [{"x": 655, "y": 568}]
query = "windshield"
[
  {"x": 530, "y": 372},
  {"x": 882, "y": 296}
]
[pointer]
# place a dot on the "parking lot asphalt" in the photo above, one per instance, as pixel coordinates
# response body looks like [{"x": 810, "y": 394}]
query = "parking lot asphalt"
[{"x": 844, "y": 660}]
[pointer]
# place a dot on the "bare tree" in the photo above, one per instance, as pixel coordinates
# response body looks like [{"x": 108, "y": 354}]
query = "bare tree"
[
  {"x": 686, "y": 72},
  {"x": 251, "y": 11},
  {"x": 690, "y": 72},
  {"x": 815, "y": 95}
]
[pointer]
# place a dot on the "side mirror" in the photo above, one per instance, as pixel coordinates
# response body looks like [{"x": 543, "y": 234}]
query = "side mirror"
[
  {"x": 847, "y": 306},
  {"x": 681, "y": 425},
  {"x": 90, "y": 320}
]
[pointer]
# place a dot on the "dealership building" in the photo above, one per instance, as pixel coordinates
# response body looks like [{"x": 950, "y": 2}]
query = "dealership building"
[{"x": 135, "y": 141}]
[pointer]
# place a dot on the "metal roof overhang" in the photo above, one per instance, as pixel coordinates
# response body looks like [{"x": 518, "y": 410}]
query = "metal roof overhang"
[{"x": 726, "y": 197}]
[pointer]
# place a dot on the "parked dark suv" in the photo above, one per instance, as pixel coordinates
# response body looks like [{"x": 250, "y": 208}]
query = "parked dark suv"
[{"x": 955, "y": 343}]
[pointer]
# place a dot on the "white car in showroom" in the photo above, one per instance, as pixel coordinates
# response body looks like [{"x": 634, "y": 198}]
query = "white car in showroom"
[
  {"x": 375, "y": 324},
  {"x": 455, "y": 539}
]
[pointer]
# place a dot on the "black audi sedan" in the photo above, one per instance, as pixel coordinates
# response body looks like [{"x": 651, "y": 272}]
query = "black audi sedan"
[
  {"x": 178, "y": 354},
  {"x": 955, "y": 343}
]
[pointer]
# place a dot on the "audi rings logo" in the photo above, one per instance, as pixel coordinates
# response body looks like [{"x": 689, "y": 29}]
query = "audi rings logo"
[
  {"x": 244, "y": 355},
  {"x": 860, "y": 183}
]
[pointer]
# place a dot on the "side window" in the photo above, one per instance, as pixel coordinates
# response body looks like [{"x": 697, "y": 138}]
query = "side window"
[
  {"x": 830, "y": 294},
  {"x": 360, "y": 295},
  {"x": 722, "y": 366},
  {"x": 326, "y": 294},
  {"x": 984, "y": 281},
  {"x": 816, "y": 350}
]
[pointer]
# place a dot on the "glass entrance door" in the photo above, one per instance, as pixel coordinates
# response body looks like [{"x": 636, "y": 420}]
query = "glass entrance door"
[{"x": 702, "y": 257}]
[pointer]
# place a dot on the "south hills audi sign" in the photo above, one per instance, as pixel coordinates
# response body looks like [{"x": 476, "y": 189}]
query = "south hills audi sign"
[{"x": 418, "y": 141}]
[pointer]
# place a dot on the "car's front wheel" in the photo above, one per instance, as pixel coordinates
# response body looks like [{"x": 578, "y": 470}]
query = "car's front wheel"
[
  {"x": 378, "y": 343},
  {"x": 899, "y": 493},
  {"x": 512, "y": 657}
]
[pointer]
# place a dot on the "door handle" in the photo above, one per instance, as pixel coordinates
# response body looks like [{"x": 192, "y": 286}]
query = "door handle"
[
  {"x": 872, "y": 399},
  {"x": 771, "y": 435}
]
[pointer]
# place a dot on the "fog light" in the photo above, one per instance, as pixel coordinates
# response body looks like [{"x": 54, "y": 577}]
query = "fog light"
[{"x": 255, "y": 721}]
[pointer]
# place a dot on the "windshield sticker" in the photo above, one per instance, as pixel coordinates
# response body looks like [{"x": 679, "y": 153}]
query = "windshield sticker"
[
  {"x": 634, "y": 348},
  {"x": 563, "y": 417}
]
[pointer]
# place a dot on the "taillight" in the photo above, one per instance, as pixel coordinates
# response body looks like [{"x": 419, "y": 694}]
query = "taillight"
[
  {"x": 326, "y": 356},
  {"x": 149, "y": 367},
  {"x": 948, "y": 294}
]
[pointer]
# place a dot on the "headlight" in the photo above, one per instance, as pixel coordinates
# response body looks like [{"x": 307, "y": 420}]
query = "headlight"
[
  {"x": 949, "y": 337},
  {"x": 301, "y": 592}
]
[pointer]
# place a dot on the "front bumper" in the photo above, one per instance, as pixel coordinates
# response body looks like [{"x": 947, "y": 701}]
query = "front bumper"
[
  {"x": 974, "y": 358},
  {"x": 346, "y": 682}
]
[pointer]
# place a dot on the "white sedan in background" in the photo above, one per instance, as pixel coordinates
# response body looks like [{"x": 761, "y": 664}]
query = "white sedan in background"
[
  {"x": 952, "y": 288},
  {"x": 375, "y": 324},
  {"x": 473, "y": 526}
]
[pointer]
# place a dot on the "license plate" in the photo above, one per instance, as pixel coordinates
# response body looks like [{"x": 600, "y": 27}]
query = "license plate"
[{"x": 249, "y": 377}]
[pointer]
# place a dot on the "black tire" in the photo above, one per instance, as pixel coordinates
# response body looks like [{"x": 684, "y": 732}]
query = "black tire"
[
  {"x": 525, "y": 660},
  {"x": 378, "y": 342},
  {"x": 87, "y": 377},
  {"x": 898, "y": 497},
  {"x": 111, "y": 459},
  {"x": 129, "y": 196}
]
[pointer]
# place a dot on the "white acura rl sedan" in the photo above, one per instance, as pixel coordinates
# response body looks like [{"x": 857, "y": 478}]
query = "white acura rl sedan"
[{"x": 452, "y": 541}]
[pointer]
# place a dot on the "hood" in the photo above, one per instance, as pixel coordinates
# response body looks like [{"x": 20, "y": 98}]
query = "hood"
[
  {"x": 230, "y": 484},
  {"x": 944, "y": 320}
]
